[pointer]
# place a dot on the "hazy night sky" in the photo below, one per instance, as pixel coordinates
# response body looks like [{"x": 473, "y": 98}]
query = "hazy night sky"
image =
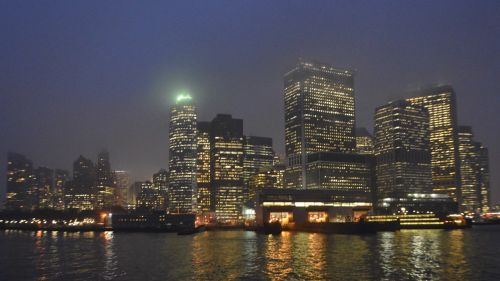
[{"x": 76, "y": 77}]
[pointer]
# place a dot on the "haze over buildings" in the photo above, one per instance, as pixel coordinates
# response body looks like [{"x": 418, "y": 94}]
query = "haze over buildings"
[{"x": 105, "y": 77}]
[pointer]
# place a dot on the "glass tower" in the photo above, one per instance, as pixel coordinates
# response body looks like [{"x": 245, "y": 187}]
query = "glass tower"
[
  {"x": 182, "y": 156},
  {"x": 319, "y": 115},
  {"x": 441, "y": 105},
  {"x": 403, "y": 159}
]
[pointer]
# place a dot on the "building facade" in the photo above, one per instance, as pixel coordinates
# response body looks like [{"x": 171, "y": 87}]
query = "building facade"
[
  {"x": 319, "y": 115},
  {"x": 226, "y": 167},
  {"x": 182, "y": 156},
  {"x": 258, "y": 153},
  {"x": 19, "y": 180},
  {"x": 402, "y": 151},
  {"x": 441, "y": 105},
  {"x": 105, "y": 182},
  {"x": 203, "y": 167},
  {"x": 364, "y": 142}
]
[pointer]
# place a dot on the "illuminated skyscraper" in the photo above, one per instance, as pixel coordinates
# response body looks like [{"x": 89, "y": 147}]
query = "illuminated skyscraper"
[
  {"x": 149, "y": 196},
  {"x": 267, "y": 177},
  {"x": 105, "y": 183},
  {"x": 474, "y": 172},
  {"x": 42, "y": 188},
  {"x": 364, "y": 141},
  {"x": 402, "y": 151},
  {"x": 319, "y": 115},
  {"x": 226, "y": 156},
  {"x": 441, "y": 105},
  {"x": 484, "y": 169},
  {"x": 203, "y": 167},
  {"x": 61, "y": 177},
  {"x": 80, "y": 193},
  {"x": 19, "y": 180},
  {"x": 258, "y": 153},
  {"x": 122, "y": 179},
  {"x": 182, "y": 155}
]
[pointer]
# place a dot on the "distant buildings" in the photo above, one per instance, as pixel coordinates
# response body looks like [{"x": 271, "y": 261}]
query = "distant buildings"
[
  {"x": 364, "y": 142},
  {"x": 122, "y": 179},
  {"x": 182, "y": 156},
  {"x": 258, "y": 153},
  {"x": 80, "y": 193},
  {"x": 105, "y": 184},
  {"x": 19, "y": 180},
  {"x": 203, "y": 163},
  {"x": 160, "y": 183}
]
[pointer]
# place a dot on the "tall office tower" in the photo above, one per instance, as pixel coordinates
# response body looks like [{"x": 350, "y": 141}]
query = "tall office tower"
[
  {"x": 484, "y": 169},
  {"x": 441, "y": 104},
  {"x": 122, "y": 187},
  {"x": 226, "y": 156},
  {"x": 203, "y": 167},
  {"x": 364, "y": 141},
  {"x": 319, "y": 115},
  {"x": 42, "y": 188},
  {"x": 105, "y": 182},
  {"x": 149, "y": 197},
  {"x": 469, "y": 173},
  {"x": 402, "y": 150},
  {"x": 258, "y": 153},
  {"x": 474, "y": 172},
  {"x": 81, "y": 192},
  {"x": 61, "y": 177},
  {"x": 160, "y": 183},
  {"x": 19, "y": 180},
  {"x": 182, "y": 156}
]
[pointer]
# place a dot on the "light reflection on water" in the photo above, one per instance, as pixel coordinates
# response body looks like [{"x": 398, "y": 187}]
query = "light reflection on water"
[{"x": 239, "y": 255}]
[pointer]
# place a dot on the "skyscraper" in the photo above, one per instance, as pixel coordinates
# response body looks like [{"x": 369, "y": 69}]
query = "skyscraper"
[
  {"x": 122, "y": 188},
  {"x": 364, "y": 141},
  {"x": 258, "y": 153},
  {"x": 42, "y": 188},
  {"x": 402, "y": 150},
  {"x": 484, "y": 169},
  {"x": 80, "y": 193},
  {"x": 319, "y": 115},
  {"x": 182, "y": 155},
  {"x": 160, "y": 183},
  {"x": 441, "y": 105},
  {"x": 226, "y": 156},
  {"x": 105, "y": 182},
  {"x": 474, "y": 172},
  {"x": 203, "y": 167},
  {"x": 61, "y": 177},
  {"x": 19, "y": 180}
]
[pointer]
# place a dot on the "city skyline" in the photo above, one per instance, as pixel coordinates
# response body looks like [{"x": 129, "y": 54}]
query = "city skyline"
[{"x": 58, "y": 151}]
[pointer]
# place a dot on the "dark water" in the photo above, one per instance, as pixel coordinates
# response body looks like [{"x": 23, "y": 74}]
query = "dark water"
[{"x": 472, "y": 254}]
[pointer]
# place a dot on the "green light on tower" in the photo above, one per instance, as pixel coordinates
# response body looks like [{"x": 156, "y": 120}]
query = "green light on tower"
[{"x": 183, "y": 96}]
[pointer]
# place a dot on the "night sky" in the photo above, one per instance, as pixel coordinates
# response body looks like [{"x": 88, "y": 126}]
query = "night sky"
[{"x": 77, "y": 77}]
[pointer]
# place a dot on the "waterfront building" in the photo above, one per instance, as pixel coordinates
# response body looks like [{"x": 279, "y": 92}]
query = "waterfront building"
[
  {"x": 80, "y": 193},
  {"x": 19, "y": 180},
  {"x": 160, "y": 183},
  {"x": 474, "y": 172},
  {"x": 484, "y": 179},
  {"x": 402, "y": 151},
  {"x": 203, "y": 167},
  {"x": 122, "y": 179},
  {"x": 42, "y": 188},
  {"x": 319, "y": 115},
  {"x": 105, "y": 182},
  {"x": 258, "y": 153},
  {"x": 182, "y": 156},
  {"x": 441, "y": 104},
  {"x": 61, "y": 177},
  {"x": 364, "y": 141},
  {"x": 226, "y": 167}
]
